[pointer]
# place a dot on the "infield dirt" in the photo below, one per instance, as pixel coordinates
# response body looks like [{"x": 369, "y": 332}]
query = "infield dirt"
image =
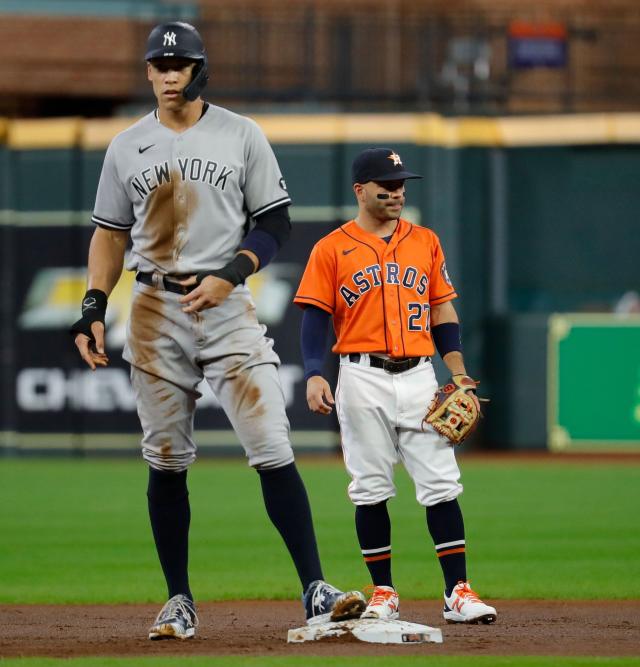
[{"x": 582, "y": 628}]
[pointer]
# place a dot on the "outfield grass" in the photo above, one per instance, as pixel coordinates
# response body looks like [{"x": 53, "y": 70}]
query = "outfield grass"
[
  {"x": 387, "y": 661},
  {"x": 77, "y": 531}
]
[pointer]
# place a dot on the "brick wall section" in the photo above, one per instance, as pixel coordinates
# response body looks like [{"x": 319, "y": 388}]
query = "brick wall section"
[
  {"x": 623, "y": 10},
  {"x": 73, "y": 56},
  {"x": 604, "y": 72},
  {"x": 86, "y": 57}
]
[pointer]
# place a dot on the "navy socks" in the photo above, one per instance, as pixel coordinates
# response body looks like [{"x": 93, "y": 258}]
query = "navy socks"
[
  {"x": 446, "y": 526},
  {"x": 170, "y": 516},
  {"x": 287, "y": 504},
  {"x": 373, "y": 526}
]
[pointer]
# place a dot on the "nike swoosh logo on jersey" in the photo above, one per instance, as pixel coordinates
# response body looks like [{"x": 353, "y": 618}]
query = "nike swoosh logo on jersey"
[
  {"x": 146, "y": 148},
  {"x": 346, "y": 252}
]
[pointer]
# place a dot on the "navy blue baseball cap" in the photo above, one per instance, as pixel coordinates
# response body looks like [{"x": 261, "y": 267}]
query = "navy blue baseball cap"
[{"x": 379, "y": 164}]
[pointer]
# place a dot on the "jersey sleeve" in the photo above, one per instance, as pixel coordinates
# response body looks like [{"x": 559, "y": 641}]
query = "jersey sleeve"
[
  {"x": 318, "y": 285},
  {"x": 113, "y": 208},
  {"x": 264, "y": 187},
  {"x": 441, "y": 288}
]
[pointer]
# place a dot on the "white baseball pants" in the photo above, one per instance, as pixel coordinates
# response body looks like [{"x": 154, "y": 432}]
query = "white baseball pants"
[{"x": 380, "y": 418}]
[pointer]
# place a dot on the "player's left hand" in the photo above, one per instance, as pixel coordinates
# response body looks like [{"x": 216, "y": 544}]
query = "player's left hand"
[
  {"x": 476, "y": 400},
  {"x": 211, "y": 292},
  {"x": 455, "y": 411},
  {"x": 471, "y": 392}
]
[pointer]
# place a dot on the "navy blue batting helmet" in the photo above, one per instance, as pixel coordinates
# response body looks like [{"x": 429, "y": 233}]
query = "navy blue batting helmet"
[{"x": 180, "y": 40}]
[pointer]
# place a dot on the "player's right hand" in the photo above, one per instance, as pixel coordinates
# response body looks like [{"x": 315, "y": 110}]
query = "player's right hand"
[
  {"x": 319, "y": 396},
  {"x": 93, "y": 352}
]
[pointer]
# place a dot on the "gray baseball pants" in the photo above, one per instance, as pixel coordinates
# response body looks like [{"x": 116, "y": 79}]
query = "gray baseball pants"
[{"x": 170, "y": 352}]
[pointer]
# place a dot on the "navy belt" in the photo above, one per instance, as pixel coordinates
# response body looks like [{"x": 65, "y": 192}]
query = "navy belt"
[
  {"x": 389, "y": 365},
  {"x": 169, "y": 285}
]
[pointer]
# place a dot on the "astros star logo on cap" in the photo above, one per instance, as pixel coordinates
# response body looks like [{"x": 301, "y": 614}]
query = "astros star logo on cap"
[{"x": 396, "y": 159}]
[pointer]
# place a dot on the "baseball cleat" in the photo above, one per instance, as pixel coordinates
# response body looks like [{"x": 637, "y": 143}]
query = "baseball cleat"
[
  {"x": 176, "y": 620},
  {"x": 323, "y": 603},
  {"x": 384, "y": 604},
  {"x": 464, "y": 606}
]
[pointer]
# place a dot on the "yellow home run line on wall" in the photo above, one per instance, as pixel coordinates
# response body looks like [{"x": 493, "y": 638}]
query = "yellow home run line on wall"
[
  {"x": 424, "y": 129},
  {"x": 50, "y": 133}
]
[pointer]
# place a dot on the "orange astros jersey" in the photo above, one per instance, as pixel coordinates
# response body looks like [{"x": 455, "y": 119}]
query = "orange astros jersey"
[{"x": 380, "y": 294}]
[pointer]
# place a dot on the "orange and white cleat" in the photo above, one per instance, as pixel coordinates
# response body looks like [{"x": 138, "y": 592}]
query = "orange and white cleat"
[
  {"x": 464, "y": 606},
  {"x": 383, "y": 605}
]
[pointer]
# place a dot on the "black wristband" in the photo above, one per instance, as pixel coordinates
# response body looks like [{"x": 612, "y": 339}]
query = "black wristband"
[
  {"x": 446, "y": 338},
  {"x": 235, "y": 272},
  {"x": 94, "y": 308},
  {"x": 94, "y": 305}
]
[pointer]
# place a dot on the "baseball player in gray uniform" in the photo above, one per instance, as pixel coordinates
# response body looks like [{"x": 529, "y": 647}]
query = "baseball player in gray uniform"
[{"x": 198, "y": 191}]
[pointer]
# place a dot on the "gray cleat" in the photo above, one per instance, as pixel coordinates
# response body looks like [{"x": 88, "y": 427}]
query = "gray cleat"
[{"x": 176, "y": 620}]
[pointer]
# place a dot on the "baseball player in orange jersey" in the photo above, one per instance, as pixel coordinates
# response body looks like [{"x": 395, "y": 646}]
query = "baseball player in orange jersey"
[{"x": 385, "y": 283}]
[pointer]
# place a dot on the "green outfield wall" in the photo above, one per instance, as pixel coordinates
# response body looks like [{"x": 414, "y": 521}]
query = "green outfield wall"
[{"x": 536, "y": 215}]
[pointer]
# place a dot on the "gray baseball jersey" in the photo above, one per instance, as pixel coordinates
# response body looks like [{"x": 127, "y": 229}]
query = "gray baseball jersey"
[{"x": 186, "y": 197}]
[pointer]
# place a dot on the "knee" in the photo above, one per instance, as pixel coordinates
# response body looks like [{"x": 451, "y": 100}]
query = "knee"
[
  {"x": 430, "y": 497},
  {"x": 168, "y": 463},
  {"x": 271, "y": 457},
  {"x": 371, "y": 490}
]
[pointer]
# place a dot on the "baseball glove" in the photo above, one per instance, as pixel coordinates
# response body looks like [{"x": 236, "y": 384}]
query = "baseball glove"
[{"x": 453, "y": 413}]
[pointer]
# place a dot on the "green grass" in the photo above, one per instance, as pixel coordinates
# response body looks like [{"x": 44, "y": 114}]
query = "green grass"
[
  {"x": 386, "y": 661},
  {"x": 77, "y": 531}
]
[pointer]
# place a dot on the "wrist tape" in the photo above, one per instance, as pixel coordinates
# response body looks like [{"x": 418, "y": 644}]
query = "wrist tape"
[
  {"x": 94, "y": 305},
  {"x": 235, "y": 272},
  {"x": 446, "y": 338},
  {"x": 94, "y": 308}
]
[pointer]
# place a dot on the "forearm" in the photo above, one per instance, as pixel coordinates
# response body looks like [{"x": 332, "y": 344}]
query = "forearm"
[
  {"x": 313, "y": 340},
  {"x": 252, "y": 256},
  {"x": 454, "y": 361},
  {"x": 106, "y": 259},
  {"x": 259, "y": 247},
  {"x": 271, "y": 232},
  {"x": 443, "y": 313},
  {"x": 445, "y": 329}
]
